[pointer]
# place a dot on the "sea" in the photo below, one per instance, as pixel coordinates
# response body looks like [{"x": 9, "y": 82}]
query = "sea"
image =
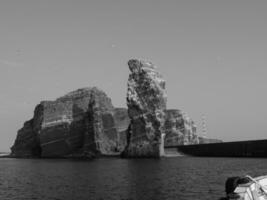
[{"x": 177, "y": 178}]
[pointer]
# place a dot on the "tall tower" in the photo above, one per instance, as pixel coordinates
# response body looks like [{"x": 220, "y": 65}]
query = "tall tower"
[{"x": 204, "y": 127}]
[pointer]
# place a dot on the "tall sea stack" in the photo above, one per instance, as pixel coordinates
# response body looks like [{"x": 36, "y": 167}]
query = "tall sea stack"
[{"x": 146, "y": 100}]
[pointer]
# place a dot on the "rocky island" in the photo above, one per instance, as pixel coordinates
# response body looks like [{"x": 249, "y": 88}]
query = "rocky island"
[{"x": 85, "y": 124}]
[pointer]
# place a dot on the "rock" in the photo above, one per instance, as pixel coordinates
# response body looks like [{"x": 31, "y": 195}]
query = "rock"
[
  {"x": 122, "y": 121},
  {"x": 27, "y": 143},
  {"x": 79, "y": 124},
  {"x": 179, "y": 129},
  {"x": 84, "y": 123},
  {"x": 146, "y": 100},
  {"x": 101, "y": 135}
]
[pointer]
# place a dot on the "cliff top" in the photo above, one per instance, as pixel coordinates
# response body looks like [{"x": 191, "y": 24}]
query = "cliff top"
[
  {"x": 76, "y": 94},
  {"x": 82, "y": 92}
]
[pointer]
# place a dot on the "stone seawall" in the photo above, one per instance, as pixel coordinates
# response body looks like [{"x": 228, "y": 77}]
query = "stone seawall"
[{"x": 254, "y": 148}]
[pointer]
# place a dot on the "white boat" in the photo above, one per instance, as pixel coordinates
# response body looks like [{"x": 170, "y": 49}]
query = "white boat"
[{"x": 247, "y": 188}]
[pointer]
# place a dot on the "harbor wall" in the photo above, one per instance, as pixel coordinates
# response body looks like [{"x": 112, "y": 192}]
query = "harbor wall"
[{"x": 256, "y": 148}]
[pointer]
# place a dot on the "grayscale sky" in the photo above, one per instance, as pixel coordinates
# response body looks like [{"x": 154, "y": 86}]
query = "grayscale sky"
[{"x": 213, "y": 55}]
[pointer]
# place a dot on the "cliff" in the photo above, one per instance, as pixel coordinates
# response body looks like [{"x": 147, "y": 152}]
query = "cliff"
[
  {"x": 83, "y": 123},
  {"x": 179, "y": 129},
  {"x": 27, "y": 143},
  {"x": 146, "y": 100},
  {"x": 122, "y": 122}
]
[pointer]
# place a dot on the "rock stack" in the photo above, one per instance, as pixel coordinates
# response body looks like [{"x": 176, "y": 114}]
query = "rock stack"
[{"x": 146, "y": 100}]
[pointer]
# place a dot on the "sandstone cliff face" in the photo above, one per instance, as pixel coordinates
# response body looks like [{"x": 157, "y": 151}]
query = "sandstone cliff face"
[
  {"x": 27, "y": 142},
  {"x": 79, "y": 124},
  {"x": 179, "y": 129},
  {"x": 146, "y": 100},
  {"x": 122, "y": 121},
  {"x": 101, "y": 134}
]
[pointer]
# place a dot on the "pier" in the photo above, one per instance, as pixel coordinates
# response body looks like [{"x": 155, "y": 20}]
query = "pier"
[{"x": 253, "y": 148}]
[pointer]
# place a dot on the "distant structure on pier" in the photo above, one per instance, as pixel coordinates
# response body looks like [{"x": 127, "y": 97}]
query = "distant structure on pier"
[{"x": 204, "y": 127}]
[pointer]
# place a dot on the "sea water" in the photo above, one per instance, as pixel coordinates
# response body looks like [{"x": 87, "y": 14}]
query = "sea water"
[{"x": 179, "y": 178}]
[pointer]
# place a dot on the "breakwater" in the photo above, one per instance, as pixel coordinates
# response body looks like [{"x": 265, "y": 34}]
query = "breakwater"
[{"x": 253, "y": 148}]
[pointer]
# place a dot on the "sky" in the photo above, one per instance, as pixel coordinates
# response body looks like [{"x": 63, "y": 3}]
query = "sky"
[{"x": 212, "y": 54}]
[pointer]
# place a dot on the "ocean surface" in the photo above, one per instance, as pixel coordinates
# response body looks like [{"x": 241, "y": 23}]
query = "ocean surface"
[{"x": 180, "y": 178}]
